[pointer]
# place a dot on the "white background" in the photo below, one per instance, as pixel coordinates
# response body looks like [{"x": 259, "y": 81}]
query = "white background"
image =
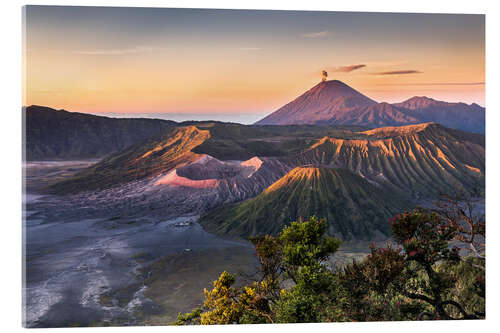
[{"x": 10, "y": 155}]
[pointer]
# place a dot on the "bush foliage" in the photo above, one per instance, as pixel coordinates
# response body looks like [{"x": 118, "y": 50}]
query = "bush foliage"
[{"x": 423, "y": 276}]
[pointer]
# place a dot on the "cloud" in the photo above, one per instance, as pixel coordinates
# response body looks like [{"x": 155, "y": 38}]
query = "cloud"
[
  {"x": 347, "y": 69},
  {"x": 406, "y": 71},
  {"x": 435, "y": 84},
  {"x": 250, "y": 48},
  {"x": 318, "y": 34},
  {"x": 138, "y": 49}
]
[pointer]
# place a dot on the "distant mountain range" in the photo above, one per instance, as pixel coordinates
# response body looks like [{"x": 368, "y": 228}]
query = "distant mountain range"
[
  {"x": 335, "y": 103},
  {"x": 59, "y": 134},
  {"x": 354, "y": 178}
]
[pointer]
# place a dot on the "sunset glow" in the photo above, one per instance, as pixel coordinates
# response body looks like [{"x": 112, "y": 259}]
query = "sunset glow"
[{"x": 138, "y": 60}]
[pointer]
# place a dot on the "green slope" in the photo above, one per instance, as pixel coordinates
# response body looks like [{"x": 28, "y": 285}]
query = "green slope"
[{"x": 353, "y": 207}]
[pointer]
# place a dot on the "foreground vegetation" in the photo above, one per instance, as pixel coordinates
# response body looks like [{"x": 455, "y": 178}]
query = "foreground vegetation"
[{"x": 436, "y": 270}]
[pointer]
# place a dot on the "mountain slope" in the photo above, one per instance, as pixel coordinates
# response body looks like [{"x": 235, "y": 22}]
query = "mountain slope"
[
  {"x": 418, "y": 160},
  {"x": 59, "y": 134},
  {"x": 353, "y": 207},
  {"x": 335, "y": 103},
  {"x": 139, "y": 161},
  {"x": 221, "y": 141},
  {"x": 469, "y": 118},
  {"x": 375, "y": 115},
  {"x": 317, "y": 105}
]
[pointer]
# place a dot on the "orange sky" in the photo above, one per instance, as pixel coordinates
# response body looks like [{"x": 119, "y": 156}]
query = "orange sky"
[{"x": 191, "y": 61}]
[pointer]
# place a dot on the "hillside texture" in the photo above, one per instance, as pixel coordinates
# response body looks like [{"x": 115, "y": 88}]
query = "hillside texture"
[
  {"x": 417, "y": 161},
  {"x": 420, "y": 160},
  {"x": 144, "y": 160},
  {"x": 353, "y": 207}
]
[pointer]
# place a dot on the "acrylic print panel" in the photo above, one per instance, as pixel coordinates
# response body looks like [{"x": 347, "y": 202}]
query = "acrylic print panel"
[{"x": 275, "y": 159}]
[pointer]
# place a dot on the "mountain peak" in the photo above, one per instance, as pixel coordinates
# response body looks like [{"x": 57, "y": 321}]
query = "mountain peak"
[
  {"x": 333, "y": 83},
  {"x": 307, "y": 173},
  {"x": 334, "y": 102},
  {"x": 418, "y": 102},
  {"x": 421, "y": 98},
  {"x": 329, "y": 193},
  {"x": 318, "y": 104},
  {"x": 335, "y": 89},
  {"x": 470, "y": 118},
  {"x": 302, "y": 172}
]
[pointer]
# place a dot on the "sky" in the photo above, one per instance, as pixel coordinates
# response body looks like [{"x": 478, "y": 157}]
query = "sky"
[{"x": 241, "y": 65}]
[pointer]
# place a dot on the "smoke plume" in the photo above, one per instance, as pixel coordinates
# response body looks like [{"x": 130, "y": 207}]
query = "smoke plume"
[{"x": 350, "y": 68}]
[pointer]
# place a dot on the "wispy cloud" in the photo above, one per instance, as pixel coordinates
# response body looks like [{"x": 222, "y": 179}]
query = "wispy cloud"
[
  {"x": 138, "y": 49},
  {"x": 347, "y": 69},
  {"x": 250, "y": 48},
  {"x": 434, "y": 84},
  {"x": 318, "y": 34},
  {"x": 400, "y": 72}
]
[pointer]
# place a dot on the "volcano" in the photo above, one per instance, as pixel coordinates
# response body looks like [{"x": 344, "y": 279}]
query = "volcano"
[
  {"x": 353, "y": 207},
  {"x": 318, "y": 105},
  {"x": 335, "y": 103}
]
